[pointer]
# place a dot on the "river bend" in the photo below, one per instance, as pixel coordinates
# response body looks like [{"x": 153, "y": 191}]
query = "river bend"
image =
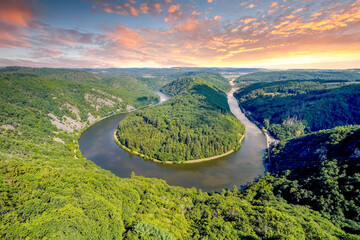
[{"x": 97, "y": 144}]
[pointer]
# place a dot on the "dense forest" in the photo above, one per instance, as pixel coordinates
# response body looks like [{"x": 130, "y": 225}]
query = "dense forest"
[
  {"x": 271, "y": 76},
  {"x": 325, "y": 173},
  {"x": 291, "y": 108},
  {"x": 184, "y": 82},
  {"x": 49, "y": 191},
  {"x": 195, "y": 124}
]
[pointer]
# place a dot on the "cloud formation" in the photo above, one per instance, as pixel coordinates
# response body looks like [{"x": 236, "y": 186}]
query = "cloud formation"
[
  {"x": 187, "y": 33},
  {"x": 15, "y": 16}
]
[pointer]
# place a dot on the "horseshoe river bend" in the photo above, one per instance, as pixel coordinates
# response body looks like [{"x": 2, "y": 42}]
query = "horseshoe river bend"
[{"x": 97, "y": 144}]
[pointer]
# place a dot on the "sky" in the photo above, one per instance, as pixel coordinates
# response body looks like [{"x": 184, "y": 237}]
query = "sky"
[{"x": 276, "y": 34}]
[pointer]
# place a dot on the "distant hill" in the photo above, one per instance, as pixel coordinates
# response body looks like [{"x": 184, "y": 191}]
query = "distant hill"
[
  {"x": 155, "y": 78},
  {"x": 292, "y": 108},
  {"x": 58, "y": 73},
  {"x": 158, "y": 72},
  {"x": 271, "y": 76},
  {"x": 183, "y": 83},
  {"x": 196, "y": 123},
  {"x": 29, "y": 101}
]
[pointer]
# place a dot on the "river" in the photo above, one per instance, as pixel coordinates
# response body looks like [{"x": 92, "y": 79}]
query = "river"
[{"x": 97, "y": 144}]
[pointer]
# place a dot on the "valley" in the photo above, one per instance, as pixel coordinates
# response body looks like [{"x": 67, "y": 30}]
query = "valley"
[
  {"x": 241, "y": 167},
  {"x": 63, "y": 177},
  {"x": 179, "y": 120}
]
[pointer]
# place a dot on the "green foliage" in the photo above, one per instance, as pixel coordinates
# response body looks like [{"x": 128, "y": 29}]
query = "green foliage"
[
  {"x": 213, "y": 78},
  {"x": 325, "y": 170},
  {"x": 297, "y": 107},
  {"x": 192, "y": 125},
  {"x": 58, "y": 73},
  {"x": 150, "y": 231},
  {"x": 178, "y": 86},
  {"x": 185, "y": 82},
  {"x": 47, "y": 193}
]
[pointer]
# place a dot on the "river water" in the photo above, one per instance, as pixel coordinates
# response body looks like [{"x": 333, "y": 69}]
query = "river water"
[{"x": 97, "y": 144}]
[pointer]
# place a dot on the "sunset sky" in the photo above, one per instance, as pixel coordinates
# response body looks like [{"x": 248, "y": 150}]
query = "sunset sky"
[{"x": 165, "y": 33}]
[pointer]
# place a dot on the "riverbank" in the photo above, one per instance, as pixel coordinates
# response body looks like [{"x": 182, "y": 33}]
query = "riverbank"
[
  {"x": 97, "y": 145},
  {"x": 172, "y": 162}
]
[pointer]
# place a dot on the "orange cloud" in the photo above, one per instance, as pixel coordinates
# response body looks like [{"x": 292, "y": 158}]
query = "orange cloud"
[
  {"x": 251, "y": 6},
  {"x": 130, "y": 7},
  {"x": 317, "y": 14},
  {"x": 195, "y": 13},
  {"x": 274, "y": 4},
  {"x": 108, "y": 10},
  {"x": 16, "y": 12},
  {"x": 157, "y": 6},
  {"x": 144, "y": 8},
  {"x": 297, "y": 10},
  {"x": 125, "y": 37},
  {"x": 334, "y": 20},
  {"x": 174, "y": 8},
  {"x": 248, "y": 20}
]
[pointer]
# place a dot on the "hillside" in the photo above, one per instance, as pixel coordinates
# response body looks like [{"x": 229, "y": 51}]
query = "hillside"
[
  {"x": 58, "y": 73},
  {"x": 195, "y": 124},
  {"x": 326, "y": 167},
  {"x": 156, "y": 78},
  {"x": 291, "y": 108},
  {"x": 299, "y": 75},
  {"x": 48, "y": 190},
  {"x": 183, "y": 83},
  {"x": 34, "y": 108}
]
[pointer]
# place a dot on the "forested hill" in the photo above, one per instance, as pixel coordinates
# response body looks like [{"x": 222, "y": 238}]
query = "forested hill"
[
  {"x": 58, "y": 73},
  {"x": 155, "y": 78},
  {"x": 184, "y": 82},
  {"x": 292, "y": 108},
  {"x": 299, "y": 75},
  {"x": 49, "y": 191},
  {"x": 36, "y": 108},
  {"x": 195, "y": 124},
  {"x": 326, "y": 167}
]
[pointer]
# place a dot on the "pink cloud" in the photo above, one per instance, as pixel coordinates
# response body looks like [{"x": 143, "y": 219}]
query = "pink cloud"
[
  {"x": 157, "y": 6},
  {"x": 274, "y": 4},
  {"x": 15, "y": 17},
  {"x": 16, "y": 12},
  {"x": 190, "y": 38},
  {"x": 251, "y": 6},
  {"x": 131, "y": 7},
  {"x": 248, "y": 20},
  {"x": 174, "y": 8}
]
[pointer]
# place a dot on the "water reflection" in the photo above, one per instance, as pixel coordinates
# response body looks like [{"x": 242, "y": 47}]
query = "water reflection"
[{"x": 97, "y": 144}]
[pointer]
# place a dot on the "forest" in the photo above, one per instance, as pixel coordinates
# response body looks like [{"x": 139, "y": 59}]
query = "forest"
[
  {"x": 182, "y": 83},
  {"x": 195, "y": 124},
  {"x": 292, "y": 108},
  {"x": 49, "y": 191},
  {"x": 325, "y": 173}
]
